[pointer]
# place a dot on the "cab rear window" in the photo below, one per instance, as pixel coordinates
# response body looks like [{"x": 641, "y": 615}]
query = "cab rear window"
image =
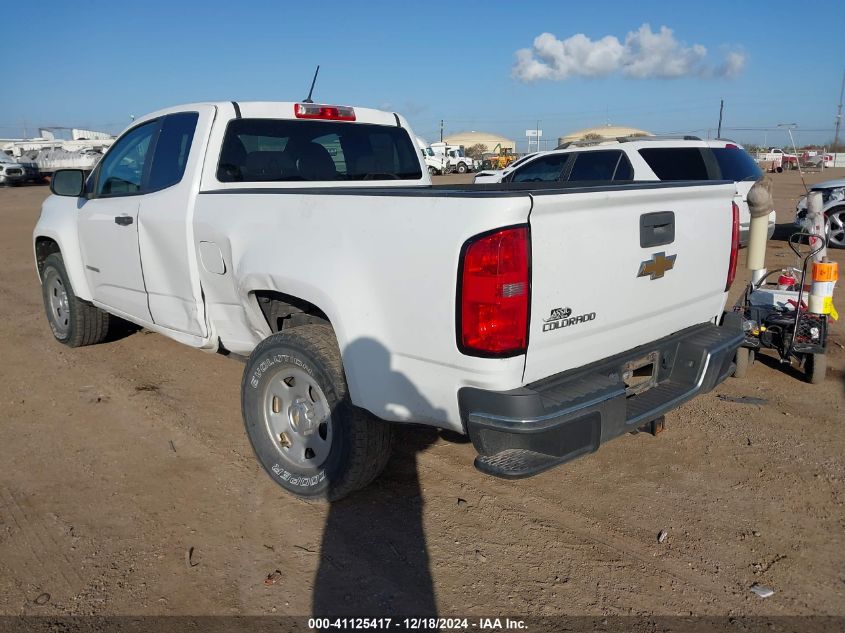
[{"x": 277, "y": 150}]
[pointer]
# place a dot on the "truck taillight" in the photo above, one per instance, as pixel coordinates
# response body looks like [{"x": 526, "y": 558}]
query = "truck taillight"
[
  {"x": 734, "y": 248},
  {"x": 326, "y": 112},
  {"x": 494, "y": 292}
]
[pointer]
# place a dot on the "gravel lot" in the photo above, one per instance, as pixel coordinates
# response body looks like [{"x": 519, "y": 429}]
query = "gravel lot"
[{"x": 128, "y": 487}]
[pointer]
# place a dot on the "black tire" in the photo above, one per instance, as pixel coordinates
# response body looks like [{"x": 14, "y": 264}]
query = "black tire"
[
  {"x": 815, "y": 367},
  {"x": 462, "y": 168},
  {"x": 359, "y": 443},
  {"x": 432, "y": 171},
  {"x": 744, "y": 359},
  {"x": 74, "y": 322}
]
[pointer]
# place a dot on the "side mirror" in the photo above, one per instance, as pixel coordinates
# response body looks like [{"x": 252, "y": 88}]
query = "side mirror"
[{"x": 68, "y": 182}]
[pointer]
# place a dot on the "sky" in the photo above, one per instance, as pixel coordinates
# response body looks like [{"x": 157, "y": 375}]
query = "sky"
[{"x": 498, "y": 67}]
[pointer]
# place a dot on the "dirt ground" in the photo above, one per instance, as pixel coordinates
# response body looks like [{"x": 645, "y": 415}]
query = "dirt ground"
[{"x": 128, "y": 486}]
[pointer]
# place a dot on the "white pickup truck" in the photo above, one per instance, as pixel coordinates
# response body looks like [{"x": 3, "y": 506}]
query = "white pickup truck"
[{"x": 308, "y": 241}]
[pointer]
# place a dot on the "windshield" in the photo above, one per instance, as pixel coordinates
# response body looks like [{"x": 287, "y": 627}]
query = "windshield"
[
  {"x": 736, "y": 164},
  {"x": 5, "y": 158},
  {"x": 429, "y": 151}
]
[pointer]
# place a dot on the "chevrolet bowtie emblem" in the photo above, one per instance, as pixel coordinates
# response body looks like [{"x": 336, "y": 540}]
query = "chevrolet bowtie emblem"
[{"x": 657, "y": 265}]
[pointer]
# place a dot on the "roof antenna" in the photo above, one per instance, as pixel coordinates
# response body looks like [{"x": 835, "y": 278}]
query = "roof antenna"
[{"x": 313, "y": 81}]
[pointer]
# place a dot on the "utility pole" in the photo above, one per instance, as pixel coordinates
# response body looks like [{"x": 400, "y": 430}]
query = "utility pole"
[
  {"x": 721, "y": 109},
  {"x": 441, "y": 130},
  {"x": 836, "y": 147}
]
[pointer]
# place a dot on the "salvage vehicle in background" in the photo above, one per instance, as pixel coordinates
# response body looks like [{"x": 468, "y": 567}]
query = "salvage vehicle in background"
[
  {"x": 833, "y": 207},
  {"x": 643, "y": 158},
  {"x": 307, "y": 240},
  {"x": 778, "y": 159},
  {"x": 436, "y": 164},
  {"x": 489, "y": 176},
  {"x": 455, "y": 157},
  {"x": 11, "y": 171}
]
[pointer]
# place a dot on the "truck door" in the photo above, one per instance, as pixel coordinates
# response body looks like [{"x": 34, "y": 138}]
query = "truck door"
[
  {"x": 165, "y": 224},
  {"x": 108, "y": 224}
]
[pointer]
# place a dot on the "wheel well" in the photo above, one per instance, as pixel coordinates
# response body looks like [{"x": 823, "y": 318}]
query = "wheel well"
[
  {"x": 44, "y": 246},
  {"x": 284, "y": 312}
]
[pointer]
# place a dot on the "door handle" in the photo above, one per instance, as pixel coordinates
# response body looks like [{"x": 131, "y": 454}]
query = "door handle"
[{"x": 123, "y": 220}]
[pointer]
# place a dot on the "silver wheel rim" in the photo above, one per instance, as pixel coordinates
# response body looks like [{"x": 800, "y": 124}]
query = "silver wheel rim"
[
  {"x": 297, "y": 418},
  {"x": 58, "y": 303},
  {"x": 837, "y": 228}
]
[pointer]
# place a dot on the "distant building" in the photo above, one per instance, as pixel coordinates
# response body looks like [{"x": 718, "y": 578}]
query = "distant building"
[
  {"x": 490, "y": 141},
  {"x": 604, "y": 131}
]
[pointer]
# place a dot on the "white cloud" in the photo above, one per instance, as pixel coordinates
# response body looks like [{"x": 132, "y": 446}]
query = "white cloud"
[
  {"x": 644, "y": 54},
  {"x": 733, "y": 65}
]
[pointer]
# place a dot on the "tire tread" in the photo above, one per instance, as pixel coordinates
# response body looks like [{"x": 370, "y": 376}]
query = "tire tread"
[
  {"x": 371, "y": 439},
  {"x": 89, "y": 325}
]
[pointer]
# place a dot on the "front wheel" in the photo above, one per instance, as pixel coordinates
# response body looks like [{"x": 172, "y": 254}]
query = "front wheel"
[
  {"x": 432, "y": 171},
  {"x": 305, "y": 431},
  {"x": 462, "y": 169},
  {"x": 73, "y": 321},
  {"x": 836, "y": 233}
]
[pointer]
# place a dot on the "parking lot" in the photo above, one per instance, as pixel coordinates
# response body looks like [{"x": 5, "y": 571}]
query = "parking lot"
[{"x": 129, "y": 487}]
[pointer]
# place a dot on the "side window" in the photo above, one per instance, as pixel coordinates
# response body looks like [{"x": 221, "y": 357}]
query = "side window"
[
  {"x": 122, "y": 169},
  {"x": 595, "y": 165},
  {"x": 676, "y": 163},
  {"x": 624, "y": 171},
  {"x": 172, "y": 149},
  {"x": 544, "y": 169}
]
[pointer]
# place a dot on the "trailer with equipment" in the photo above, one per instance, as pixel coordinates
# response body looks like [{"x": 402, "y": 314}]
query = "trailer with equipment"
[{"x": 791, "y": 315}]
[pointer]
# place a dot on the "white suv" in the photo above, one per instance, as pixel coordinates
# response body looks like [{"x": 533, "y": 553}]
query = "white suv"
[{"x": 643, "y": 158}]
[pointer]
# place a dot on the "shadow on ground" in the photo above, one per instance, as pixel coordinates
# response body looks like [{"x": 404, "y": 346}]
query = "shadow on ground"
[{"x": 374, "y": 559}]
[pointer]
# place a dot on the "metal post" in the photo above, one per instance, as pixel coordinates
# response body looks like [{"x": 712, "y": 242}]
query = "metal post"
[
  {"x": 789, "y": 127},
  {"x": 839, "y": 116},
  {"x": 721, "y": 109}
]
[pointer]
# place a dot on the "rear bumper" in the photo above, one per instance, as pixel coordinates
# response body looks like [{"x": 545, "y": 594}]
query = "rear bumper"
[{"x": 524, "y": 431}]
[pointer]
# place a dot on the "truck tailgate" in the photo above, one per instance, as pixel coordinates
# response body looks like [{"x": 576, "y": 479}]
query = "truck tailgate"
[{"x": 596, "y": 291}]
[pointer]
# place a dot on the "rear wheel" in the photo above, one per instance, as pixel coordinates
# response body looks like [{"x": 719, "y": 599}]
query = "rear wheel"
[
  {"x": 73, "y": 321},
  {"x": 305, "y": 431},
  {"x": 815, "y": 366}
]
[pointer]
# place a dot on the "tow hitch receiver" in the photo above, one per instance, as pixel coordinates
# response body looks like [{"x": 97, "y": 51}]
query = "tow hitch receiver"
[
  {"x": 655, "y": 426},
  {"x": 641, "y": 374}
]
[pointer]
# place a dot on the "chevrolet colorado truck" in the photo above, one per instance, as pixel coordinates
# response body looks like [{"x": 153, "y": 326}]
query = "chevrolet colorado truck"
[{"x": 308, "y": 241}]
